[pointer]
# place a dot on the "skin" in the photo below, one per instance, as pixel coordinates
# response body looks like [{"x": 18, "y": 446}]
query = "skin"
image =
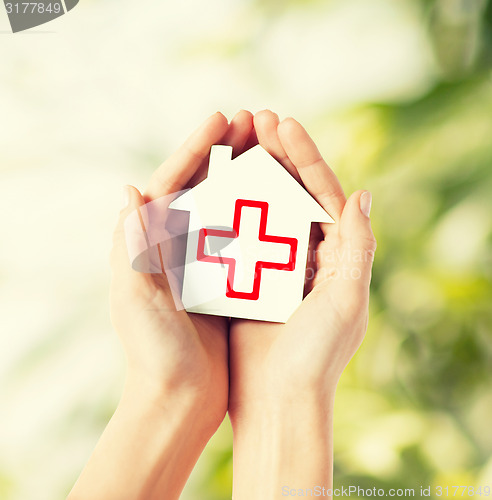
[
  {"x": 186, "y": 370},
  {"x": 283, "y": 376}
]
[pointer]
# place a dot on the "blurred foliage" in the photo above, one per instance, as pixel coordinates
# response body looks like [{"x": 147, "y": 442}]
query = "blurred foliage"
[
  {"x": 456, "y": 29},
  {"x": 414, "y": 406}
]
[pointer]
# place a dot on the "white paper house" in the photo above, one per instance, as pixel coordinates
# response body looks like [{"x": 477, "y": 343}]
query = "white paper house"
[{"x": 248, "y": 237}]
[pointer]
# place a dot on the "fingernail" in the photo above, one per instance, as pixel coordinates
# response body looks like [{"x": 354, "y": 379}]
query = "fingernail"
[
  {"x": 126, "y": 197},
  {"x": 365, "y": 202}
]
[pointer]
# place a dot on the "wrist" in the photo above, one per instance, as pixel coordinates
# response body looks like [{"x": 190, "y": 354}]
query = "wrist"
[
  {"x": 153, "y": 442},
  {"x": 249, "y": 407},
  {"x": 280, "y": 443},
  {"x": 181, "y": 404}
]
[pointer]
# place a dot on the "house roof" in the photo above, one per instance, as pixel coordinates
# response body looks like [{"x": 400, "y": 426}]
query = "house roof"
[{"x": 254, "y": 174}]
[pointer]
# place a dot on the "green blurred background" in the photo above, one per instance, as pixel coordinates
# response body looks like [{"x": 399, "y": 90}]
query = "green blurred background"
[{"x": 398, "y": 95}]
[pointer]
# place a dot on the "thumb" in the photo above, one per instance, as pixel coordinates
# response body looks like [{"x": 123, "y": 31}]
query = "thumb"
[{"x": 357, "y": 237}]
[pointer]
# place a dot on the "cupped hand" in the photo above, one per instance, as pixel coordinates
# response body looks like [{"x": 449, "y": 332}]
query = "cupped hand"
[
  {"x": 170, "y": 353},
  {"x": 273, "y": 362}
]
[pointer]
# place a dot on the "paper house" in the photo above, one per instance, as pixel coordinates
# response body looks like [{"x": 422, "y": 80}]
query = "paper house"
[{"x": 248, "y": 236}]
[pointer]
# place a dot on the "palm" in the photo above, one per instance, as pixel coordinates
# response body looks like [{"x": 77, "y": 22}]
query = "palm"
[
  {"x": 273, "y": 354},
  {"x": 323, "y": 333},
  {"x": 166, "y": 347}
]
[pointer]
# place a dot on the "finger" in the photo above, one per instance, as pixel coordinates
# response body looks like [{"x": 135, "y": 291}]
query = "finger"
[
  {"x": 317, "y": 176},
  {"x": 357, "y": 237},
  {"x": 123, "y": 276},
  {"x": 239, "y": 131},
  {"x": 178, "y": 169},
  {"x": 266, "y": 123},
  {"x": 236, "y": 136}
]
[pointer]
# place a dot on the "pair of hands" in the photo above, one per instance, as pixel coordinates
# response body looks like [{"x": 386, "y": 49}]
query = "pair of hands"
[
  {"x": 200, "y": 355},
  {"x": 245, "y": 366}
]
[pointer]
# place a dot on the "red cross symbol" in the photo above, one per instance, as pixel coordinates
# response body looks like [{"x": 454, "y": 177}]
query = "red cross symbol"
[{"x": 231, "y": 262}]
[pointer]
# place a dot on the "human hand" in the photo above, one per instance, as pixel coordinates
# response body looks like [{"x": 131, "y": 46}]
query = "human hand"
[
  {"x": 283, "y": 376},
  {"x": 272, "y": 362},
  {"x": 173, "y": 354},
  {"x": 176, "y": 391}
]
